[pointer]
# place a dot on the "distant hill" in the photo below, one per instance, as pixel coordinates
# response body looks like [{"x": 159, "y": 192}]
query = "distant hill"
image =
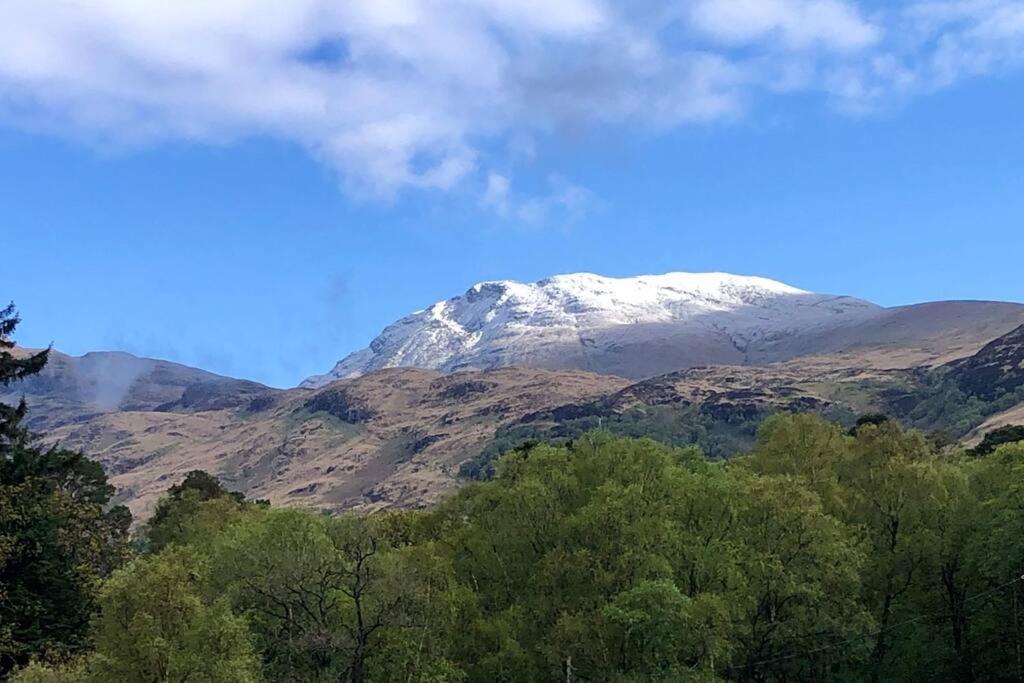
[
  {"x": 70, "y": 387},
  {"x": 394, "y": 437}
]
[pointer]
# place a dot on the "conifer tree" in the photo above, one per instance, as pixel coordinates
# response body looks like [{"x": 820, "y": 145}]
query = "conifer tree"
[
  {"x": 14, "y": 368},
  {"x": 58, "y": 535}
]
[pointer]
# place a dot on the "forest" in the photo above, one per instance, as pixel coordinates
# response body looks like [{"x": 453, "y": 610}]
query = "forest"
[{"x": 822, "y": 554}]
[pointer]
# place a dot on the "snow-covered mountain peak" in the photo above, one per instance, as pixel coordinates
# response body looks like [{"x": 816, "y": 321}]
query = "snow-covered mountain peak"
[{"x": 594, "y": 322}]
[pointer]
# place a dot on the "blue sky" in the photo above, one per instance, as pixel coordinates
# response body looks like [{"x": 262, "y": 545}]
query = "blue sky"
[{"x": 334, "y": 188}]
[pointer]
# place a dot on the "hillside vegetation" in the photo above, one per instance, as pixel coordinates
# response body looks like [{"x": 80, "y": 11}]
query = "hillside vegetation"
[{"x": 820, "y": 555}]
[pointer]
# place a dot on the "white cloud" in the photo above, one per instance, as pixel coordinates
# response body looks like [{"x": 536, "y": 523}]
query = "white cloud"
[
  {"x": 832, "y": 24},
  {"x": 560, "y": 202},
  {"x": 931, "y": 45},
  {"x": 970, "y": 37},
  {"x": 563, "y": 204},
  {"x": 496, "y": 195},
  {"x": 400, "y": 94}
]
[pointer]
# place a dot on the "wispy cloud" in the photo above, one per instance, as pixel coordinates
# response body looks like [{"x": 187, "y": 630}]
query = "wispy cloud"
[
  {"x": 399, "y": 94},
  {"x": 560, "y": 203},
  {"x": 796, "y": 24}
]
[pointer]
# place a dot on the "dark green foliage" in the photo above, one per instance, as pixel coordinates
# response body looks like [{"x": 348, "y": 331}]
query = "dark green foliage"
[
  {"x": 204, "y": 484},
  {"x": 998, "y": 437},
  {"x": 177, "y": 513},
  {"x": 12, "y": 368},
  {"x": 58, "y": 536},
  {"x": 940, "y": 400},
  {"x": 869, "y": 419},
  {"x": 995, "y": 371}
]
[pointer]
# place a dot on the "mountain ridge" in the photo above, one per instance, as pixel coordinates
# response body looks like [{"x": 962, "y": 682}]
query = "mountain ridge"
[
  {"x": 592, "y": 322},
  {"x": 402, "y": 436}
]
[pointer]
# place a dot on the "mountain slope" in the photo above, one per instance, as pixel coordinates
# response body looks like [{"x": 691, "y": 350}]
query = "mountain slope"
[
  {"x": 633, "y": 327},
  {"x": 73, "y": 387},
  {"x": 391, "y": 438},
  {"x": 401, "y": 436},
  {"x": 997, "y": 369},
  {"x": 931, "y": 333}
]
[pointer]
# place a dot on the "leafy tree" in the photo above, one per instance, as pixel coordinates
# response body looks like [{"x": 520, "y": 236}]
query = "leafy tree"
[
  {"x": 807, "y": 447},
  {"x": 596, "y": 551},
  {"x": 891, "y": 491},
  {"x": 798, "y": 593},
  {"x": 994, "y": 565},
  {"x": 38, "y": 672},
  {"x": 159, "y": 623},
  {"x": 194, "y": 508},
  {"x": 324, "y": 596},
  {"x": 647, "y": 624}
]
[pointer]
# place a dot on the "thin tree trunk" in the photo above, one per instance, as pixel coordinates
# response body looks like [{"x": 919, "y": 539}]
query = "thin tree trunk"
[
  {"x": 1015, "y": 588},
  {"x": 958, "y": 621},
  {"x": 881, "y": 647},
  {"x": 357, "y": 674}
]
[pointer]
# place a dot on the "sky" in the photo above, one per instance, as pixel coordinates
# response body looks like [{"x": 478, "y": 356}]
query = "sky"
[{"x": 257, "y": 188}]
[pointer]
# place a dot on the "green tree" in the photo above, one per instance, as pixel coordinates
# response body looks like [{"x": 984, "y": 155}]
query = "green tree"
[
  {"x": 324, "y": 596},
  {"x": 656, "y": 632},
  {"x": 994, "y": 563},
  {"x": 195, "y": 508},
  {"x": 159, "y": 624},
  {"x": 892, "y": 494},
  {"x": 37, "y": 672},
  {"x": 58, "y": 534},
  {"x": 642, "y": 562},
  {"x": 808, "y": 447},
  {"x": 798, "y": 591},
  {"x": 13, "y": 368}
]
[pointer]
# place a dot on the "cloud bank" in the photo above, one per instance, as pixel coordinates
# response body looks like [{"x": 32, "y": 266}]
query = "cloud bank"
[{"x": 433, "y": 94}]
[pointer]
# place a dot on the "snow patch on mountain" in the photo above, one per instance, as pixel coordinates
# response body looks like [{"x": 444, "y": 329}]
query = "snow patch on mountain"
[{"x": 602, "y": 324}]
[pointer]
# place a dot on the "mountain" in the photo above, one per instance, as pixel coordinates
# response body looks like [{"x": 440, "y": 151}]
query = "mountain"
[
  {"x": 682, "y": 358},
  {"x": 391, "y": 438},
  {"x": 405, "y": 436},
  {"x": 633, "y": 327},
  {"x": 647, "y": 326},
  {"x": 75, "y": 387}
]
